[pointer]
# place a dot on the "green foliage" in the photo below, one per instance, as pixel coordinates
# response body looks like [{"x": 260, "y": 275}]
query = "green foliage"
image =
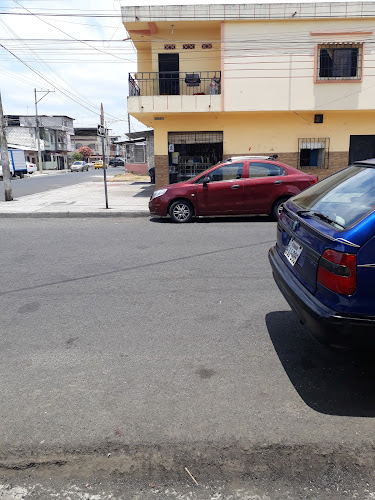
[{"x": 77, "y": 157}]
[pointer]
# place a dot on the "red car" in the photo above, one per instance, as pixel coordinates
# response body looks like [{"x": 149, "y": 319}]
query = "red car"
[{"x": 238, "y": 186}]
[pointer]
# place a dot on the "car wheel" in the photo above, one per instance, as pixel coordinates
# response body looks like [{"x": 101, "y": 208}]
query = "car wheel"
[
  {"x": 181, "y": 211},
  {"x": 277, "y": 207}
]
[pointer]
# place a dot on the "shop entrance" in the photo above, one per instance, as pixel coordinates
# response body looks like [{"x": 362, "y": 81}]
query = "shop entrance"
[
  {"x": 361, "y": 147},
  {"x": 190, "y": 153}
]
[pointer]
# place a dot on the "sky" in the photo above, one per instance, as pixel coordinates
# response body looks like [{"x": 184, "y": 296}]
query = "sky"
[{"x": 84, "y": 60}]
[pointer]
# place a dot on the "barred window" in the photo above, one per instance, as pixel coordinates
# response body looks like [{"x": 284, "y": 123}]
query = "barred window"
[{"x": 339, "y": 61}]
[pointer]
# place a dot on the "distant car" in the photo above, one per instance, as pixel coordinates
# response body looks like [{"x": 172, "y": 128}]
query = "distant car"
[
  {"x": 238, "y": 186},
  {"x": 79, "y": 166},
  {"x": 116, "y": 162},
  {"x": 31, "y": 167},
  {"x": 98, "y": 164},
  {"x": 324, "y": 258}
]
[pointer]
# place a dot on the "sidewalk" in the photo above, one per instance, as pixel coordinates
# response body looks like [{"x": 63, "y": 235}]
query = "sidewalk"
[{"x": 125, "y": 199}]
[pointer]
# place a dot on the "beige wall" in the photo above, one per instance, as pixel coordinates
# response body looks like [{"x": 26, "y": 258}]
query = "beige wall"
[
  {"x": 265, "y": 132},
  {"x": 269, "y": 65}
]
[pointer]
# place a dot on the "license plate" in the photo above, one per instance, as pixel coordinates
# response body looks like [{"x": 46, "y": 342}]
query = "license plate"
[{"x": 293, "y": 251}]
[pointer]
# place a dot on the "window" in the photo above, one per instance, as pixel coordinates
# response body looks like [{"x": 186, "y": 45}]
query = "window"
[
  {"x": 339, "y": 61},
  {"x": 313, "y": 152},
  {"x": 226, "y": 173},
  {"x": 259, "y": 169}
]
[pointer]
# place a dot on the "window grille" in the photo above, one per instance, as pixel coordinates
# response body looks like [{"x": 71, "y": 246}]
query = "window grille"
[
  {"x": 187, "y": 46},
  {"x": 313, "y": 152},
  {"x": 339, "y": 61},
  {"x": 169, "y": 46},
  {"x": 206, "y": 45},
  {"x": 194, "y": 137}
]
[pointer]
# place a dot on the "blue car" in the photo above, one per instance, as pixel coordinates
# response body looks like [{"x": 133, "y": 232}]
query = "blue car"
[{"x": 324, "y": 258}]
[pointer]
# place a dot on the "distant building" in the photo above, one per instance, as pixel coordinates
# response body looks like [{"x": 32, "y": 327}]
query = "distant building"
[
  {"x": 138, "y": 151},
  {"x": 55, "y": 134},
  {"x": 88, "y": 137}
]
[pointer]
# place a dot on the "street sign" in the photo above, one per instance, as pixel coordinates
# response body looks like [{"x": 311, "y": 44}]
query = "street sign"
[
  {"x": 101, "y": 115},
  {"x": 101, "y": 131}
]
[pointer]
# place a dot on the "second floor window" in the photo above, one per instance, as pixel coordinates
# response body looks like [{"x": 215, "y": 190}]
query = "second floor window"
[{"x": 339, "y": 61}]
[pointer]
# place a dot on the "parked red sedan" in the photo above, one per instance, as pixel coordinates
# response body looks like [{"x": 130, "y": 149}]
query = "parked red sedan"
[{"x": 238, "y": 186}]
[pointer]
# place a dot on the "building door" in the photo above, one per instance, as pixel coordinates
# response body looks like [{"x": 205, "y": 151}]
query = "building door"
[
  {"x": 169, "y": 67},
  {"x": 362, "y": 147}
]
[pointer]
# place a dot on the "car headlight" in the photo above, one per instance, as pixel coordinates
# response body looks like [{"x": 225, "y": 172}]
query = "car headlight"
[{"x": 158, "y": 192}]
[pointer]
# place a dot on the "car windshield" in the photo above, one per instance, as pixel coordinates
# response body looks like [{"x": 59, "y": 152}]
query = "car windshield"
[
  {"x": 78, "y": 163},
  {"x": 344, "y": 198}
]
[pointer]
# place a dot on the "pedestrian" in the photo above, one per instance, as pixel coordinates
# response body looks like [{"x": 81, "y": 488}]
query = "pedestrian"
[{"x": 151, "y": 173}]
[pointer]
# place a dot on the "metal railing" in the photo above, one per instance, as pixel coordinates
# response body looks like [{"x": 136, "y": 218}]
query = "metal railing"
[{"x": 175, "y": 83}]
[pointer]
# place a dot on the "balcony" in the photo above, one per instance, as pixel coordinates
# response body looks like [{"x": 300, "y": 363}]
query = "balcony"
[
  {"x": 173, "y": 92},
  {"x": 175, "y": 83}
]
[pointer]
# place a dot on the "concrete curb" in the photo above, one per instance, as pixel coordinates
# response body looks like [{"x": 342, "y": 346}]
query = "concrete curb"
[{"x": 73, "y": 215}]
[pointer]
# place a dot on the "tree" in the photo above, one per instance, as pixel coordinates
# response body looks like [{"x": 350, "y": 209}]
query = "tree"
[
  {"x": 77, "y": 157},
  {"x": 86, "y": 152}
]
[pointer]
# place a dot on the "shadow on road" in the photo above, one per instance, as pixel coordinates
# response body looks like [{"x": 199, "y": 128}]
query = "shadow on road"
[
  {"x": 329, "y": 381},
  {"x": 213, "y": 220},
  {"x": 147, "y": 189}
]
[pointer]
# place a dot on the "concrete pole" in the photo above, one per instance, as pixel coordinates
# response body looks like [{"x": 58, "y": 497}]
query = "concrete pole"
[
  {"x": 4, "y": 158},
  {"x": 40, "y": 166}
]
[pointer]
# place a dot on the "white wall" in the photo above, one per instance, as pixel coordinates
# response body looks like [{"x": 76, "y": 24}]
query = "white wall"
[{"x": 269, "y": 65}]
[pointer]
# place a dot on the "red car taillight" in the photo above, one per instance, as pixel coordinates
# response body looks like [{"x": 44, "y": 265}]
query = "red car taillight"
[
  {"x": 337, "y": 271},
  {"x": 314, "y": 180}
]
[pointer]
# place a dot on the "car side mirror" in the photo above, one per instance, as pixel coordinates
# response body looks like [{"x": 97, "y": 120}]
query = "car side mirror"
[{"x": 205, "y": 180}]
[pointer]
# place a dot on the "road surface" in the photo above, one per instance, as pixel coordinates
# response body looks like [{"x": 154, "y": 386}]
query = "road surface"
[{"x": 137, "y": 347}]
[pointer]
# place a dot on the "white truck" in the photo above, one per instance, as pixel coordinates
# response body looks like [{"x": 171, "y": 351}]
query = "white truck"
[{"x": 17, "y": 163}]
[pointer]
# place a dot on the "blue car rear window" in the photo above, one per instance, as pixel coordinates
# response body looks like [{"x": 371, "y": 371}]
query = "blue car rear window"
[{"x": 345, "y": 197}]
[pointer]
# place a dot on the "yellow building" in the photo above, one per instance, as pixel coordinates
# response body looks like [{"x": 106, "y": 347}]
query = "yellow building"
[{"x": 296, "y": 80}]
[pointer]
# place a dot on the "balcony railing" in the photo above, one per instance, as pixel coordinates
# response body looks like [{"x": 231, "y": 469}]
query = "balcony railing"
[{"x": 175, "y": 83}]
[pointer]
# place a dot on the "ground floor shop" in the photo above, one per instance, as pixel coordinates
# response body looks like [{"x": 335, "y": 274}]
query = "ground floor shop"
[{"x": 186, "y": 144}]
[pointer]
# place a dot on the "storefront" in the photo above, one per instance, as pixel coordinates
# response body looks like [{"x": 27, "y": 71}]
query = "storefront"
[{"x": 190, "y": 153}]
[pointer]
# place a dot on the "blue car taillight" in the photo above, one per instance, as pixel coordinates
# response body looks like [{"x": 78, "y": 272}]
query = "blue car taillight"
[{"x": 337, "y": 271}]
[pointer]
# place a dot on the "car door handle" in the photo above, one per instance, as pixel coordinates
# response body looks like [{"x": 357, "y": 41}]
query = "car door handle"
[
  {"x": 235, "y": 186},
  {"x": 278, "y": 182}
]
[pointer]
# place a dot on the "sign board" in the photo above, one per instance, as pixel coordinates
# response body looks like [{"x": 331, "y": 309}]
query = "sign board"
[
  {"x": 171, "y": 148},
  {"x": 101, "y": 131}
]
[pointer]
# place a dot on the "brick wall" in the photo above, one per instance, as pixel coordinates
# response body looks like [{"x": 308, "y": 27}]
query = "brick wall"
[
  {"x": 161, "y": 170},
  {"x": 137, "y": 168}
]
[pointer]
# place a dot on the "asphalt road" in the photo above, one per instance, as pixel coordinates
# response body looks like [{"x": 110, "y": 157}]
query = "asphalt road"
[
  {"x": 139, "y": 347},
  {"x": 37, "y": 184}
]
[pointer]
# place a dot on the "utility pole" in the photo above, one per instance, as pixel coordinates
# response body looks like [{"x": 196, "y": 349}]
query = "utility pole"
[
  {"x": 103, "y": 135},
  {"x": 4, "y": 158},
  {"x": 46, "y": 92}
]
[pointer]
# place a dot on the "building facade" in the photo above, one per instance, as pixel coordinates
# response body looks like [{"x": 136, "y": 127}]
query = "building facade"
[
  {"x": 55, "y": 134},
  {"x": 288, "y": 79}
]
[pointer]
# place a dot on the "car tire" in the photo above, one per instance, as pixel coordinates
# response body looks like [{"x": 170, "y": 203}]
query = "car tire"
[
  {"x": 277, "y": 207},
  {"x": 181, "y": 211}
]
